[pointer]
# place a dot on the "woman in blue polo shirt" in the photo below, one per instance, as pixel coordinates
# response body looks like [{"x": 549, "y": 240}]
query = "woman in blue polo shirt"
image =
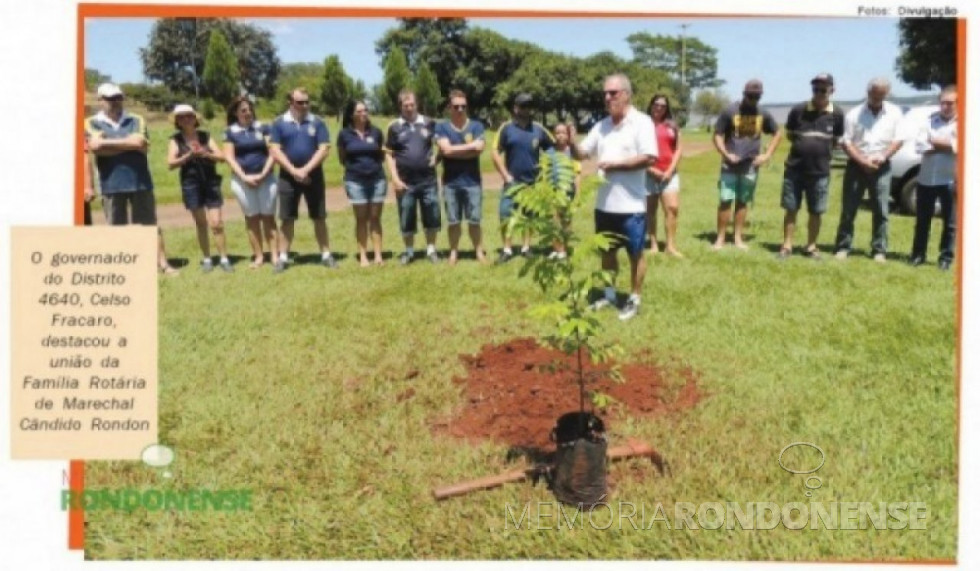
[
  {"x": 359, "y": 147},
  {"x": 252, "y": 179},
  {"x": 195, "y": 153}
]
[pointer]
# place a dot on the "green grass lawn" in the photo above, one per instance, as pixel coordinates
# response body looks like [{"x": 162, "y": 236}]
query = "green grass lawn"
[{"x": 287, "y": 385}]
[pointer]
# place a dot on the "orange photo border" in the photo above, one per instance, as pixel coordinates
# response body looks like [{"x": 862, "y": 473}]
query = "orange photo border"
[{"x": 76, "y": 517}]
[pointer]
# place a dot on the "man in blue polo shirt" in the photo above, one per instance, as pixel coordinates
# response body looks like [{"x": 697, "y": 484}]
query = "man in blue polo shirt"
[
  {"x": 411, "y": 164},
  {"x": 461, "y": 141},
  {"x": 515, "y": 155},
  {"x": 120, "y": 142},
  {"x": 299, "y": 142}
]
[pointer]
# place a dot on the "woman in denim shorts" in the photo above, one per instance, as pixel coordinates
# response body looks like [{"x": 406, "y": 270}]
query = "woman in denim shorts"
[
  {"x": 359, "y": 148},
  {"x": 252, "y": 180},
  {"x": 195, "y": 153},
  {"x": 663, "y": 182}
]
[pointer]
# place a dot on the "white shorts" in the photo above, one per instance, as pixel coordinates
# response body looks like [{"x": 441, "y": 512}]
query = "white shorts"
[
  {"x": 255, "y": 201},
  {"x": 671, "y": 186}
]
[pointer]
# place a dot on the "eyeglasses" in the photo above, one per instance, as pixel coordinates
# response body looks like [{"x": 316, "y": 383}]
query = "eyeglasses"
[
  {"x": 459, "y": 107},
  {"x": 612, "y": 92},
  {"x": 947, "y": 103},
  {"x": 301, "y": 101},
  {"x": 820, "y": 90},
  {"x": 114, "y": 98}
]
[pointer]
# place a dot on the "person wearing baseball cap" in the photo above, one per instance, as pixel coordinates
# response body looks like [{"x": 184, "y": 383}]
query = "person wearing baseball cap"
[
  {"x": 738, "y": 139},
  {"x": 195, "y": 153},
  {"x": 814, "y": 128},
  {"x": 120, "y": 143},
  {"x": 516, "y": 151}
]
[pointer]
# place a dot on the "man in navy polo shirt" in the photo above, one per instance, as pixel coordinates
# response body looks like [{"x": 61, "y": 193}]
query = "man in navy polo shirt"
[
  {"x": 299, "y": 142},
  {"x": 120, "y": 142},
  {"x": 411, "y": 163},
  {"x": 814, "y": 128},
  {"x": 515, "y": 154},
  {"x": 461, "y": 141}
]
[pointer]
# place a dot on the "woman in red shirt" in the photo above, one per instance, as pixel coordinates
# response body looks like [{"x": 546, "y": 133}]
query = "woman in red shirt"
[{"x": 663, "y": 182}]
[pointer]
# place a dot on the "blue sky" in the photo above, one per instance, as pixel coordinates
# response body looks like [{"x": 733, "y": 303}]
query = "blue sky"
[{"x": 784, "y": 53}]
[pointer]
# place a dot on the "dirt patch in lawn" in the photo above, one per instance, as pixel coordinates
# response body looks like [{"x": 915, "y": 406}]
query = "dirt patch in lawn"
[{"x": 514, "y": 392}]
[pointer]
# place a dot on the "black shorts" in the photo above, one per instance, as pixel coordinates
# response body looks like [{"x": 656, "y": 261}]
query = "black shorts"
[
  {"x": 197, "y": 194},
  {"x": 313, "y": 193}
]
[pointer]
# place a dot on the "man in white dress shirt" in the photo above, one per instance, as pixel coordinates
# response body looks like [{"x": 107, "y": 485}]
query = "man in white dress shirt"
[{"x": 870, "y": 140}]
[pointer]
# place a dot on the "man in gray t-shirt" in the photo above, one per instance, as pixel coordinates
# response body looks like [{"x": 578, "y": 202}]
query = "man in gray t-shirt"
[{"x": 738, "y": 139}]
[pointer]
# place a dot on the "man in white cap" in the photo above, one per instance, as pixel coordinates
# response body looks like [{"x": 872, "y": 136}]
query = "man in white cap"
[{"x": 120, "y": 143}]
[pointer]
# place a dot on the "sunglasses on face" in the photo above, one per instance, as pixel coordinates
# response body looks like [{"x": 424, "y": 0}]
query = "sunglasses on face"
[
  {"x": 301, "y": 102},
  {"x": 820, "y": 90},
  {"x": 114, "y": 98}
]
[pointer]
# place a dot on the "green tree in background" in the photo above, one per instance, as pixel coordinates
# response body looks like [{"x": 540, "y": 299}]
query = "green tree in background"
[
  {"x": 396, "y": 77},
  {"x": 94, "y": 77},
  {"x": 221, "y": 76},
  {"x": 427, "y": 91},
  {"x": 709, "y": 103},
  {"x": 699, "y": 66},
  {"x": 358, "y": 91},
  {"x": 927, "y": 52},
  {"x": 433, "y": 41},
  {"x": 336, "y": 87},
  {"x": 176, "y": 51}
]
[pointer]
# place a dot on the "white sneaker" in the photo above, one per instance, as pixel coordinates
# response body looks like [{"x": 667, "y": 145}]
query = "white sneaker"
[
  {"x": 600, "y": 303},
  {"x": 629, "y": 310}
]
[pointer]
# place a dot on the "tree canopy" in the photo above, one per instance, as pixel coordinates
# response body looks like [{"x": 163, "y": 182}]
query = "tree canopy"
[
  {"x": 176, "y": 52},
  {"x": 335, "y": 88},
  {"x": 221, "y": 75},
  {"x": 927, "y": 52}
]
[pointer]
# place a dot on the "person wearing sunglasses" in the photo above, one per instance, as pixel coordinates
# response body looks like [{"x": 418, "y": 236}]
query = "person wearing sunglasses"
[
  {"x": 738, "y": 139},
  {"x": 870, "y": 140},
  {"x": 461, "y": 140},
  {"x": 936, "y": 140},
  {"x": 299, "y": 141},
  {"x": 814, "y": 128},
  {"x": 624, "y": 145}
]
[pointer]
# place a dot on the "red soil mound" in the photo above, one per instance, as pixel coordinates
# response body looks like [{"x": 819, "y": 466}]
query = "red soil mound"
[{"x": 514, "y": 392}]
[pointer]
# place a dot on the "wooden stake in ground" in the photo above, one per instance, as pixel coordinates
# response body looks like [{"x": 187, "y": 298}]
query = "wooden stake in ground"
[{"x": 632, "y": 449}]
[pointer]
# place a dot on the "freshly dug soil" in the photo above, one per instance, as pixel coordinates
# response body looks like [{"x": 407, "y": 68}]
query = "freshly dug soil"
[{"x": 513, "y": 393}]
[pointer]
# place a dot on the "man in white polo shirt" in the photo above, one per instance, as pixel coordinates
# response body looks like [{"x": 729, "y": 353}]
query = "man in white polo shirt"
[
  {"x": 624, "y": 146},
  {"x": 870, "y": 140},
  {"x": 936, "y": 140}
]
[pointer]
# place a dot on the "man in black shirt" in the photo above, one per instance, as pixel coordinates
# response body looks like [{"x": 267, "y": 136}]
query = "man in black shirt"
[{"x": 814, "y": 129}]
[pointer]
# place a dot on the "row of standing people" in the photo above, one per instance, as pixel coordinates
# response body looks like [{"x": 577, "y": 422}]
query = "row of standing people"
[
  {"x": 869, "y": 134},
  {"x": 299, "y": 142}
]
